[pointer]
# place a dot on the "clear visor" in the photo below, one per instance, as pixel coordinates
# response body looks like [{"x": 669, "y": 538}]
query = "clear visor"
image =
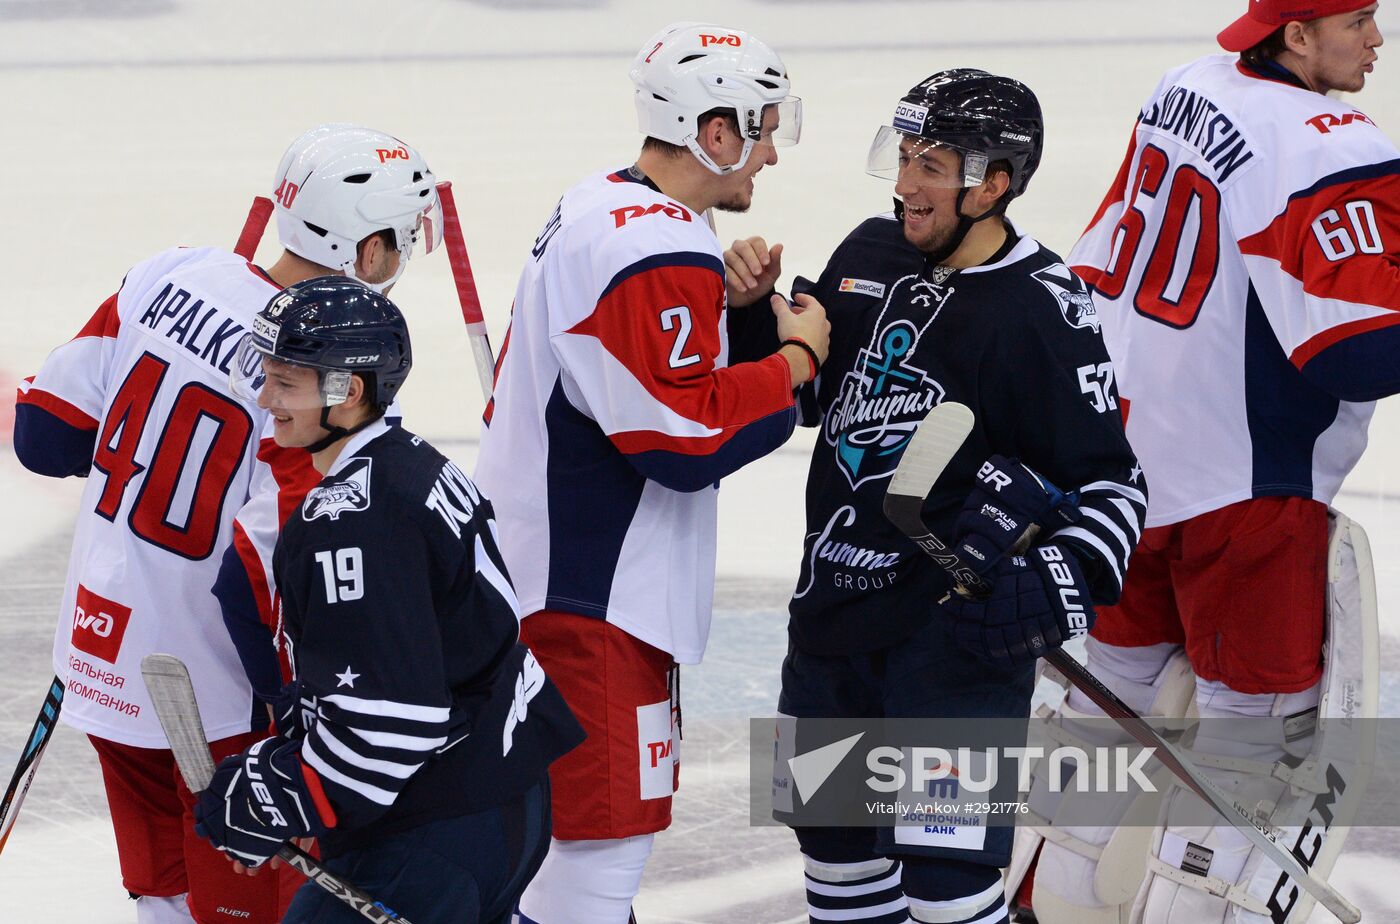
[
  {"x": 427, "y": 230},
  {"x": 270, "y": 383},
  {"x": 896, "y": 155},
  {"x": 782, "y": 123}
]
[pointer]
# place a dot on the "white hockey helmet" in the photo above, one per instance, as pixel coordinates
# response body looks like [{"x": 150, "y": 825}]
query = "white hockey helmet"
[
  {"x": 339, "y": 183},
  {"x": 690, "y": 68}
]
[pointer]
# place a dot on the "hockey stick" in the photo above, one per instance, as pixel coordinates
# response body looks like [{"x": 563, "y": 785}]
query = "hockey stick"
[
  {"x": 466, "y": 289},
  {"x": 29, "y": 759},
  {"x": 930, "y": 449},
  {"x": 172, "y": 695},
  {"x": 253, "y": 228}
]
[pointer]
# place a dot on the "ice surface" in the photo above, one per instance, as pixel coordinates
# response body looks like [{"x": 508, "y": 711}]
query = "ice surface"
[{"x": 133, "y": 125}]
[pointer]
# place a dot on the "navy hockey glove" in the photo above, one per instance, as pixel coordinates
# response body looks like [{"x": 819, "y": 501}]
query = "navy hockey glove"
[
  {"x": 1037, "y": 603},
  {"x": 1007, "y": 500},
  {"x": 258, "y": 800},
  {"x": 291, "y": 713}
]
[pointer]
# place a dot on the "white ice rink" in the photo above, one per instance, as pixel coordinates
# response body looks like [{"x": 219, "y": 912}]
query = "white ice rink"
[{"x": 133, "y": 125}]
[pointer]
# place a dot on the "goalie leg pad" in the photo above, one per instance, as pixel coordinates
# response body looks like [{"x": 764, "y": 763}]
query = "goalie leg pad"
[
  {"x": 1306, "y": 782},
  {"x": 1090, "y": 874}
]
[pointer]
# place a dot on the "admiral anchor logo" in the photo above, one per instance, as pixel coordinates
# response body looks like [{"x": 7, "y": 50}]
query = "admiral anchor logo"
[
  {"x": 881, "y": 403},
  {"x": 350, "y": 493}
]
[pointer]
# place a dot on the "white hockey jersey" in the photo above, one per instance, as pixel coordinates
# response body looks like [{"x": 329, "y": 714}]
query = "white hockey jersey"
[
  {"x": 615, "y": 414},
  {"x": 140, "y": 399},
  {"x": 1246, "y": 268}
]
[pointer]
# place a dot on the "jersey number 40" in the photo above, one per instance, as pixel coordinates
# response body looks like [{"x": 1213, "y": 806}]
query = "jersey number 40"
[{"x": 199, "y": 448}]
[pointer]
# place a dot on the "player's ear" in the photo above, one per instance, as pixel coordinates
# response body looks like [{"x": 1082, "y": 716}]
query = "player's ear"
[
  {"x": 994, "y": 187},
  {"x": 713, "y": 134},
  {"x": 1297, "y": 37},
  {"x": 355, "y": 397}
]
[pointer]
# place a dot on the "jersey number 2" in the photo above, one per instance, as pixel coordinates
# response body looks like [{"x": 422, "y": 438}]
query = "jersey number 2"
[
  {"x": 166, "y": 491},
  {"x": 678, "y": 319},
  {"x": 1169, "y": 293}
]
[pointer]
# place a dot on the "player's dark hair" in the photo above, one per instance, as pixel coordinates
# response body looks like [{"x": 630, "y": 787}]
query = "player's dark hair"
[
  {"x": 667, "y": 149},
  {"x": 1270, "y": 48}
]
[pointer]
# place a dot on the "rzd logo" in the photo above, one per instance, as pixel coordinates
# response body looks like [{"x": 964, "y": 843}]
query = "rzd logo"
[
  {"x": 98, "y": 625},
  {"x": 1326, "y": 122},
  {"x": 670, "y": 209},
  {"x": 730, "y": 39},
  {"x": 391, "y": 154}
]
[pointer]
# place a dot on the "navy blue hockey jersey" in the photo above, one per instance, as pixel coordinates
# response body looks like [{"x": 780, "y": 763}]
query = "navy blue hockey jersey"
[
  {"x": 1016, "y": 340},
  {"x": 402, "y": 627}
]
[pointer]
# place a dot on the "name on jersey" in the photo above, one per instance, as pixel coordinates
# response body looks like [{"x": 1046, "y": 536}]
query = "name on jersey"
[
  {"x": 863, "y": 287},
  {"x": 186, "y": 320},
  {"x": 670, "y": 209},
  {"x": 454, "y": 498},
  {"x": 1326, "y": 122},
  {"x": 1200, "y": 123}
]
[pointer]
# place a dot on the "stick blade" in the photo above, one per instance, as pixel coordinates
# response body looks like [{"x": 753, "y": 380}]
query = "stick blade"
[
  {"x": 172, "y": 695},
  {"x": 931, "y": 448}
]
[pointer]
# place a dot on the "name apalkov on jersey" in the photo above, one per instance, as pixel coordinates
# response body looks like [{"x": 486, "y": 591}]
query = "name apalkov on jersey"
[
  {"x": 218, "y": 350},
  {"x": 1200, "y": 123}
]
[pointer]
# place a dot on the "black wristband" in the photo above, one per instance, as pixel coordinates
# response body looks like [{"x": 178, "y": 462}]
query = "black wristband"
[{"x": 811, "y": 353}]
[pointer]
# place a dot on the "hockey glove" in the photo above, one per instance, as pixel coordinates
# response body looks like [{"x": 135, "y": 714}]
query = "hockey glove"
[
  {"x": 259, "y": 799},
  {"x": 291, "y": 714},
  {"x": 1037, "y": 603},
  {"x": 1007, "y": 500}
]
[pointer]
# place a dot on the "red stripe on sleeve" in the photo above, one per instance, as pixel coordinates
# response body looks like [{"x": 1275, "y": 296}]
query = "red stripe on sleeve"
[
  {"x": 639, "y": 324},
  {"x": 55, "y": 406},
  {"x": 1320, "y": 240},
  {"x": 257, "y": 577},
  {"x": 104, "y": 322}
]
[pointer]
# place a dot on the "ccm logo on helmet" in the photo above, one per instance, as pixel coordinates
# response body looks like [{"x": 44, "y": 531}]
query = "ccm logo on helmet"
[
  {"x": 391, "y": 154},
  {"x": 731, "y": 39},
  {"x": 1326, "y": 122},
  {"x": 628, "y": 212},
  {"x": 1069, "y": 594},
  {"x": 361, "y": 360}
]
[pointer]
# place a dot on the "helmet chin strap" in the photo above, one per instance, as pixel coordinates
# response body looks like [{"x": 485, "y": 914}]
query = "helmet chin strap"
[
  {"x": 334, "y": 433},
  {"x": 965, "y": 223}
]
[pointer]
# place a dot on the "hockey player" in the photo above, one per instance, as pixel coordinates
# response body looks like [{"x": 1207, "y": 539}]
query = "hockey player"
[
  {"x": 1250, "y": 246},
  {"x": 617, "y": 410},
  {"x": 425, "y": 727},
  {"x": 337, "y": 185},
  {"x": 945, "y": 299},
  {"x": 138, "y": 403}
]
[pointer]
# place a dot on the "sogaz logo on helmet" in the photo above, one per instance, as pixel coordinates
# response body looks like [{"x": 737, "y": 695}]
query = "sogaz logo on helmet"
[
  {"x": 263, "y": 329},
  {"x": 910, "y": 117}
]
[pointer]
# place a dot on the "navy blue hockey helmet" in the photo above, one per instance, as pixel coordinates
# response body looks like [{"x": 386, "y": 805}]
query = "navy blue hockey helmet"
[
  {"x": 984, "y": 117},
  {"x": 336, "y": 326}
]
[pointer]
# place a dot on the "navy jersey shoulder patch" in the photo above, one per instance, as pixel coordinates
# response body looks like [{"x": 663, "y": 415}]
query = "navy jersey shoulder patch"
[
  {"x": 348, "y": 493},
  {"x": 1075, "y": 302}
]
